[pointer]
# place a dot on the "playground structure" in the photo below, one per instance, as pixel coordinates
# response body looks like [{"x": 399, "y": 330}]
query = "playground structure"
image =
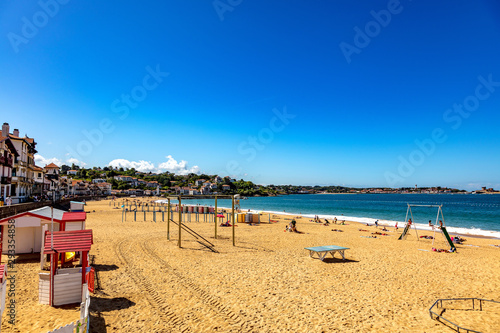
[
  {"x": 186, "y": 213},
  {"x": 439, "y": 224}
]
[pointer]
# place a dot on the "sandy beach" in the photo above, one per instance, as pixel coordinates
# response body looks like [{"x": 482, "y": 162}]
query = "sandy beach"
[{"x": 267, "y": 282}]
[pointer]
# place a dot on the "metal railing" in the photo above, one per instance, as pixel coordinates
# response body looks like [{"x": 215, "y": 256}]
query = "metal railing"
[{"x": 475, "y": 306}]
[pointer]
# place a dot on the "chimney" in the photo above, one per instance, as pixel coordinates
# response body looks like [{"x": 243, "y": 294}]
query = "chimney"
[
  {"x": 16, "y": 132},
  {"x": 5, "y": 129}
]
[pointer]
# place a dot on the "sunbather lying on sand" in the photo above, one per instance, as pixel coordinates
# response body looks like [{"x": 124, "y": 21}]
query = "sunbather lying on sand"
[
  {"x": 362, "y": 230},
  {"x": 338, "y": 230},
  {"x": 227, "y": 224},
  {"x": 379, "y": 233},
  {"x": 427, "y": 237},
  {"x": 443, "y": 250}
]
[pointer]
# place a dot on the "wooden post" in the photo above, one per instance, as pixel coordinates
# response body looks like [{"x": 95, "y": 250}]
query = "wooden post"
[
  {"x": 135, "y": 215},
  {"x": 85, "y": 263},
  {"x": 154, "y": 215},
  {"x": 180, "y": 221},
  {"x": 53, "y": 267},
  {"x": 168, "y": 219},
  {"x": 123, "y": 209},
  {"x": 215, "y": 217},
  {"x": 233, "y": 220},
  {"x": 144, "y": 215}
]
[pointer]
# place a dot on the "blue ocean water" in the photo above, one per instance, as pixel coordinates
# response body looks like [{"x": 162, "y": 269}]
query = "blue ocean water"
[{"x": 474, "y": 212}]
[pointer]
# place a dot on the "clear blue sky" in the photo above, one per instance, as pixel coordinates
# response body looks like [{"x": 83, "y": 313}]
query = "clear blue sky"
[{"x": 353, "y": 85}]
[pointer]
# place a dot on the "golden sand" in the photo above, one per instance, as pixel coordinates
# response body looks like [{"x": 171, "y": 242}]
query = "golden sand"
[{"x": 267, "y": 282}]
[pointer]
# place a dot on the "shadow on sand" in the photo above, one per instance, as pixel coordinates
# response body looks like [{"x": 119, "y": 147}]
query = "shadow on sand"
[{"x": 100, "y": 305}]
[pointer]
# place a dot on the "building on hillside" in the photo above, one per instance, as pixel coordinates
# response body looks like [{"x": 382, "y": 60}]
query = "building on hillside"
[
  {"x": 8, "y": 153},
  {"x": 199, "y": 182},
  {"x": 72, "y": 172},
  {"x": 217, "y": 179},
  {"x": 226, "y": 187},
  {"x": 205, "y": 190},
  {"x": 105, "y": 188},
  {"x": 98, "y": 181},
  {"x": 126, "y": 179},
  {"x": 22, "y": 171},
  {"x": 153, "y": 184}
]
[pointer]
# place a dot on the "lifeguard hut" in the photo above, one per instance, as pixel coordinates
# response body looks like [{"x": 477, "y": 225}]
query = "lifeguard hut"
[{"x": 67, "y": 252}]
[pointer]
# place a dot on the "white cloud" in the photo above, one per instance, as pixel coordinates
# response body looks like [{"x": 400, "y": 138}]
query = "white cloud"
[
  {"x": 179, "y": 168},
  {"x": 75, "y": 161},
  {"x": 42, "y": 161},
  {"x": 143, "y": 166},
  {"x": 171, "y": 165}
]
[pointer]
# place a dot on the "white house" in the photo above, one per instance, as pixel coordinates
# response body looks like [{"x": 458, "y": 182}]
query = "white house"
[
  {"x": 198, "y": 182},
  {"x": 7, "y": 155},
  {"x": 22, "y": 171}
]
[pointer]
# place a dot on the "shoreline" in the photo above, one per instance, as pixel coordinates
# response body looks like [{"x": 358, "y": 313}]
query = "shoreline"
[{"x": 466, "y": 232}]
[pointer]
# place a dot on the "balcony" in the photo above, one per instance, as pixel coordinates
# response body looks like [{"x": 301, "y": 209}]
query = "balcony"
[
  {"x": 19, "y": 179},
  {"x": 5, "y": 180}
]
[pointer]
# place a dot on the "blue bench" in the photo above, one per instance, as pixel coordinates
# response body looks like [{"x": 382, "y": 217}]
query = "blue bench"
[{"x": 322, "y": 251}]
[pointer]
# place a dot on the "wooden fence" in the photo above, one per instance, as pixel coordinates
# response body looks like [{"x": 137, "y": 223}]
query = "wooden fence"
[{"x": 81, "y": 325}]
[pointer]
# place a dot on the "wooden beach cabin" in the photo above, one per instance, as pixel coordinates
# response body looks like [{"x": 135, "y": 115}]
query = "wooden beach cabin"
[
  {"x": 29, "y": 226},
  {"x": 76, "y": 206},
  {"x": 64, "y": 284}
]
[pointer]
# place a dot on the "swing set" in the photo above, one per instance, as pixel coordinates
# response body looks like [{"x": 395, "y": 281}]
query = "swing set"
[{"x": 438, "y": 224}]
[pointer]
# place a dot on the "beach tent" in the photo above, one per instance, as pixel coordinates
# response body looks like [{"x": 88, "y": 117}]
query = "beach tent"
[{"x": 28, "y": 227}]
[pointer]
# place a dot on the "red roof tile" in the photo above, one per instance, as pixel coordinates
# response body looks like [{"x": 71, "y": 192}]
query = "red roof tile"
[
  {"x": 68, "y": 241},
  {"x": 52, "y": 165}
]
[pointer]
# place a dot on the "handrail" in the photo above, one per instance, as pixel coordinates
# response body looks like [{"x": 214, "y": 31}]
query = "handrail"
[{"x": 458, "y": 328}]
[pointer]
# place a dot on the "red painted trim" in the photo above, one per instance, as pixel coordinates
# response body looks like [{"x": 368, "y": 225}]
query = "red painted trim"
[{"x": 1, "y": 242}]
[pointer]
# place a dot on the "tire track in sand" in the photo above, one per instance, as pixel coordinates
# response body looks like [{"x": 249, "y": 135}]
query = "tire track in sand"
[
  {"x": 197, "y": 291},
  {"x": 163, "y": 310}
]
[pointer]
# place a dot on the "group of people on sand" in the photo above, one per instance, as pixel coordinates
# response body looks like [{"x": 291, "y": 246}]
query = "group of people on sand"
[{"x": 318, "y": 220}]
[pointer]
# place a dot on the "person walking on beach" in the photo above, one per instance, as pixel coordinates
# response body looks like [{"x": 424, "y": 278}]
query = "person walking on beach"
[
  {"x": 396, "y": 226},
  {"x": 376, "y": 223}
]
